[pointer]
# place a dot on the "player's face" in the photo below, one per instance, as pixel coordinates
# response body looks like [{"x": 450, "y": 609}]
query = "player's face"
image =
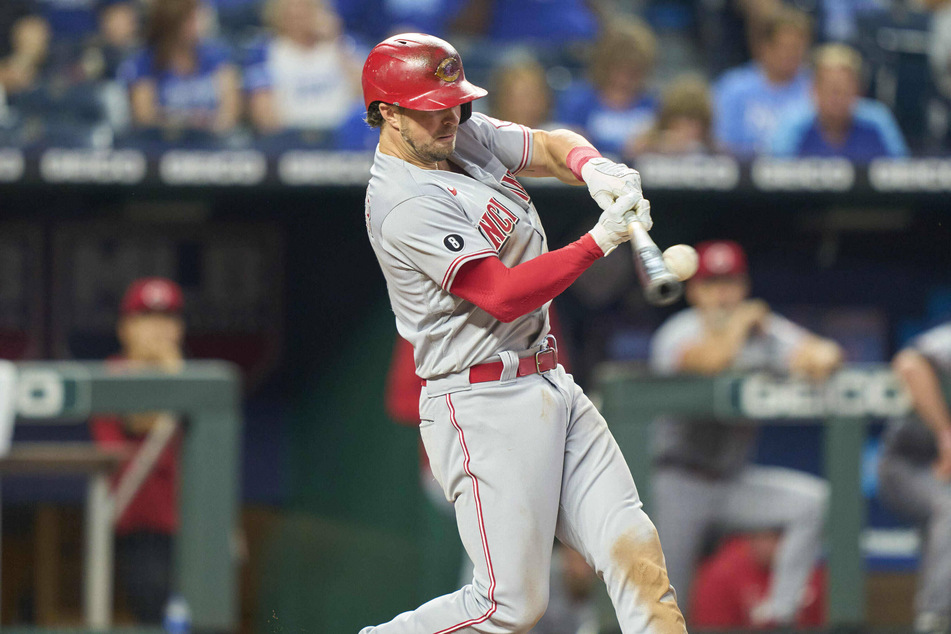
[
  {"x": 430, "y": 135},
  {"x": 147, "y": 336},
  {"x": 720, "y": 295}
]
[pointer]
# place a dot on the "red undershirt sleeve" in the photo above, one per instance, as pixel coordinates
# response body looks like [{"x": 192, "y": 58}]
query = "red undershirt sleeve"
[{"x": 508, "y": 293}]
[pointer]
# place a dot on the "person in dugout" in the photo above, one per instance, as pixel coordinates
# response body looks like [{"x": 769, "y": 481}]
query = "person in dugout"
[{"x": 151, "y": 332}]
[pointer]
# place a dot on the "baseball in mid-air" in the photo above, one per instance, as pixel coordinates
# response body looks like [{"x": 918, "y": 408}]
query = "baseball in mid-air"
[{"x": 682, "y": 261}]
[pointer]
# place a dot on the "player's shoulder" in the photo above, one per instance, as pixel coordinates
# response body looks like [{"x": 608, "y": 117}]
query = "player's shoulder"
[
  {"x": 682, "y": 324},
  {"x": 393, "y": 184},
  {"x": 480, "y": 127}
]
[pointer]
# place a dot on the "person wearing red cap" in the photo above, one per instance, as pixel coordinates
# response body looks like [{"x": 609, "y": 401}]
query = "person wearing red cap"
[
  {"x": 703, "y": 476},
  {"x": 151, "y": 333},
  {"x": 514, "y": 443}
]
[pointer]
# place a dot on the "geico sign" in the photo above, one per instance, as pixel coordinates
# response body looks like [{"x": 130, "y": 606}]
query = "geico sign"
[
  {"x": 40, "y": 394},
  {"x": 850, "y": 393}
]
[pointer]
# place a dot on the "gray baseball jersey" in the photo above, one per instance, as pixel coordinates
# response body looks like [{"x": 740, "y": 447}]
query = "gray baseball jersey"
[
  {"x": 523, "y": 459},
  {"x": 909, "y": 436},
  {"x": 707, "y": 445},
  {"x": 425, "y": 224}
]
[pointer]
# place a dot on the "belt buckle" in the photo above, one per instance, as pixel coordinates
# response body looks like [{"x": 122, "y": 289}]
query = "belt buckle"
[{"x": 538, "y": 368}]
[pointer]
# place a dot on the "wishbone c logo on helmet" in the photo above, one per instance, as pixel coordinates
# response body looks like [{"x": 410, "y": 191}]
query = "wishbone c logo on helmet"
[
  {"x": 449, "y": 69},
  {"x": 420, "y": 72}
]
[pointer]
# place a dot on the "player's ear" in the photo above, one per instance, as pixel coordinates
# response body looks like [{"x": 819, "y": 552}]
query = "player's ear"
[{"x": 390, "y": 114}]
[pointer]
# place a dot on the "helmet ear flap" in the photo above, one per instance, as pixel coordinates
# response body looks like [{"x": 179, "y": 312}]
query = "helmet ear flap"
[{"x": 466, "y": 112}]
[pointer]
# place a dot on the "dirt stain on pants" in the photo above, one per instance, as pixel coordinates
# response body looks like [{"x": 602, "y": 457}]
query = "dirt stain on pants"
[{"x": 641, "y": 560}]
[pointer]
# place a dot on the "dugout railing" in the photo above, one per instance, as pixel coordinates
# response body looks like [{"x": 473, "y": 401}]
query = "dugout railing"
[
  {"x": 207, "y": 397},
  {"x": 845, "y": 405}
]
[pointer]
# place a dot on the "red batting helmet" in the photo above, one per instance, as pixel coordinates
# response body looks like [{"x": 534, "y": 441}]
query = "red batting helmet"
[
  {"x": 720, "y": 258},
  {"x": 418, "y": 71}
]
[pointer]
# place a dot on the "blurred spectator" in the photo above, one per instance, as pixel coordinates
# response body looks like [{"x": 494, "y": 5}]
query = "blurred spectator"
[
  {"x": 306, "y": 76},
  {"x": 614, "y": 107},
  {"x": 724, "y": 28},
  {"x": 24, "y": 44},
  {"x": 571, "y": 599},
  {"x": 521, "y": 94},
  {"x": 840, "y": 123},
  {"x": 750, "y": 101},
  {"x": 915, "y": 471},
  {"x": 151, "y": 334},
  {"x": 703, "y": 478},
  {"x": 181, "y": 81},
  {"x": 737, "y": 577},
  {"x": 116, "y": 39},
  {"x": 684, "y": 123}
]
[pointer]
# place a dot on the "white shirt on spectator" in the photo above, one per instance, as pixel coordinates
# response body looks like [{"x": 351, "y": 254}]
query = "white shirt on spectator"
[{"x": 311, "y": 87}]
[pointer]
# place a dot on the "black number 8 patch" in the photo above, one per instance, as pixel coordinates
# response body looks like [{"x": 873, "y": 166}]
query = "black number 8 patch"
[{"x": 454, "y": 242}]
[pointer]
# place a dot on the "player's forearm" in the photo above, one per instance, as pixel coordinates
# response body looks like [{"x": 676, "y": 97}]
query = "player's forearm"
[
  {"x": 717, "y": 351},
  {"x": 924, "y": 388},
  {"x": 551, "y": 153},
  {"x": 509, "y": 293},
  {"x": 816, "y": 358}
]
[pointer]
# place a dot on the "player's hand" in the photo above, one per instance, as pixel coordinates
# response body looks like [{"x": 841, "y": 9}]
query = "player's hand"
[
  {"x": 612, "y": 228},
  {"x": 607, "y": 181},
  {"x": 753, "y": 314}
]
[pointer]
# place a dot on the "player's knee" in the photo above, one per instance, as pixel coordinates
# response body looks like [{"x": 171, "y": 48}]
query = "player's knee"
[
  {"x": 522, "y": 615},
  {"x": 812, "y": 502}
]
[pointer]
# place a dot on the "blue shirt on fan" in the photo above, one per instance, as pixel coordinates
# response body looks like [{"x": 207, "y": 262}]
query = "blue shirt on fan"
[
  {"x": 608, "y": 128},
  {"x": 748, "y": 108},
  {"x": 193, "y": 97},
  {"x": 874, "y": 134}
]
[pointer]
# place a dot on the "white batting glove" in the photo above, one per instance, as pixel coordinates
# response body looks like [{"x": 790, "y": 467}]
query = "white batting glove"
[
  {"x": 612, "y": 228},
  {"x": 607, "y": 180}
]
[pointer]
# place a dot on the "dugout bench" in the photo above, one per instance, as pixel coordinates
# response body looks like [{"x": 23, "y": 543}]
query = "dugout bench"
[
  {"x": 852, "y": 398},
  {"x": 207, "y": 396}
]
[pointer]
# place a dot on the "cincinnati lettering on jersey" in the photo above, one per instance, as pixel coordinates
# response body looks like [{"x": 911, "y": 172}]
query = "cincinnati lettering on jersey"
[
  {"x": 497, "y": 223},
  {"x": 512, "y": 183}
]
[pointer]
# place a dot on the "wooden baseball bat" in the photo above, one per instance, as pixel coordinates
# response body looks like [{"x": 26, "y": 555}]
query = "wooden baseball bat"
[{"x": 661, "y": 287}]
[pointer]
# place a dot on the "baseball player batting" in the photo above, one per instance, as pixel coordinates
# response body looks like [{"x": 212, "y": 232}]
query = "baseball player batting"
[{"x": 514, "y": 443}]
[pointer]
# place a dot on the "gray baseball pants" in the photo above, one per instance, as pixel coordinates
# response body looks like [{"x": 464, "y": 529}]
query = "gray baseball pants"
[
  {"x": 688, "y": 505},
  {"x": 523, "y": 461},
  {"x": 912, "y": 489}
]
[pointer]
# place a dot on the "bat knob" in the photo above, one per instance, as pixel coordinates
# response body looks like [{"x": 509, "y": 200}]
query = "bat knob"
[{"x": 664, "y": 292}]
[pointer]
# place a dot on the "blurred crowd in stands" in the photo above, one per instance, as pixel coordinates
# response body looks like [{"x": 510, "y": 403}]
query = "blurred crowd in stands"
[{"x": 854, "y": 78}]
